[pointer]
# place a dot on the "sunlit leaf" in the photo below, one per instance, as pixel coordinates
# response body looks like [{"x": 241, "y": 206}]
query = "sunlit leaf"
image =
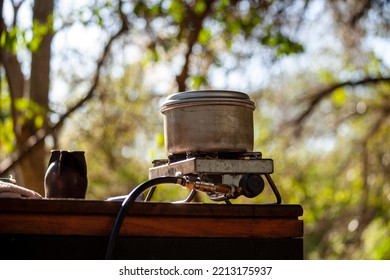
[
  {"x": 282, "y": 44},
  {"x": 176, "y": 10},
  {"x": 9, "y": 40},
  {"x": 326, "y": 76},
  {"x": 155, "y": 10},
  {"x": 200, "y": 7},
  {"x": 22, "y": 104},
  {"x": 30, "y": 111},
  {"x": 198, "y": 81},
  {"x": 339, "y": 96},
  {"x": 3, "y": 39},
  {"x": 38, "y": 121},
  {"x": 204, "y": 36},
  {"x": 34, "y": 44}
]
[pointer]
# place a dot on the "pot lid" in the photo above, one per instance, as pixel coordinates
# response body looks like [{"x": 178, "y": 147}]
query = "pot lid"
[{"x": 207, "y": 97}]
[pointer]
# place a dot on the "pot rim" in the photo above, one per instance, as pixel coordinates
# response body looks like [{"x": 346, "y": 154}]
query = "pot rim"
[{"x": 207, "y": 97}]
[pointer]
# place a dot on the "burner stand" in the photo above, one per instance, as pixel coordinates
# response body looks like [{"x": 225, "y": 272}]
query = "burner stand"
[{"x": 227, "y": 169}]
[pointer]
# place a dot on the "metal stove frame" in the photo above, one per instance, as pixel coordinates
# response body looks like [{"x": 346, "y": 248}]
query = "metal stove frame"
[{"x": 230, "y": 166}]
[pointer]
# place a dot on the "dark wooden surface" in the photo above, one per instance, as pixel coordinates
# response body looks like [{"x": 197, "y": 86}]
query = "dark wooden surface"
[{"x": 79, "y": 229}]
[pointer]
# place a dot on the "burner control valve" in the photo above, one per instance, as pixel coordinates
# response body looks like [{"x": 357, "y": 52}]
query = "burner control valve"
[{"x": 251, "y": 185}]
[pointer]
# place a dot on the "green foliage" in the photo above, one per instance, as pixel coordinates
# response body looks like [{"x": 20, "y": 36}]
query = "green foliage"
[
  {"x": 39, "y": 30},
  {"x": 31, "y": 112},
  {"x": 6, "y": 125},
  {"x": 204, "y": 36},
  {"x": 200, "y": 7},
  {"x": 282, "y": 44},
  {"x": 339, "y": 97},
  {"x": 17, "y": 39},
  {"x": 98, "y": 14},
  {"x": 8, "y": 40},
  {"x": 198, "y": 81},
  {"x": 176, "y": 10}
]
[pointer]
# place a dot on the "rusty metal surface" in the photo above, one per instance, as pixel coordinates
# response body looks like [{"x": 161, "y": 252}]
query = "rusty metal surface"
[{"x": 213, "y": 166}]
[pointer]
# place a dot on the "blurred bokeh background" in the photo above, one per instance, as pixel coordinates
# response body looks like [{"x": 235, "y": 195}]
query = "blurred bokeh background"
[{"x": 91, "y": 75}]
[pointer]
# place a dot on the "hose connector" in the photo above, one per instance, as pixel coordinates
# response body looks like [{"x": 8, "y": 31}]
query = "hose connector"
[{"x": 213, "y": 190}]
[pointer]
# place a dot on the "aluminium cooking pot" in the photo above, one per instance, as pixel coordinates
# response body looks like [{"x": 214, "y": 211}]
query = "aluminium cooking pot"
[{"x": 208, "y": 121}]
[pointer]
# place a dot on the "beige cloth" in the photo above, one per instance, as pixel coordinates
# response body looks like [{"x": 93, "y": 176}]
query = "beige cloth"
[{"x": 9, "y": 190}]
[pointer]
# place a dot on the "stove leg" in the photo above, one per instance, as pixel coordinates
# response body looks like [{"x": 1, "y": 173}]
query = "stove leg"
[
  {"x": 274, "y": 189},
  {"x": 189, "y": 198},
  {"x": 150, "y": 193}
]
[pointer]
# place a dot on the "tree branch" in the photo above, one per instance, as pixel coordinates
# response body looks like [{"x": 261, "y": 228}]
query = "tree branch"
[
  {"x": 362, "y": 9},
  {"x": 41, "y": 134},
  {"x": 16, "y": 7},
  {"x": 317, "y": 98},
  {"x": 197, "y": 21},
  {"x": 15, "y": 81}
]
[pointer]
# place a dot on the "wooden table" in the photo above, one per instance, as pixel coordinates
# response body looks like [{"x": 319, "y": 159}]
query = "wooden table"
[{"x": 79, "y": 229}]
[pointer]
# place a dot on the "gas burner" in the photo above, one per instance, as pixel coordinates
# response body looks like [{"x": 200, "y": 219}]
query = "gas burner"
[
  {"x": 222, "y": 176},
  {"x": 210, "y": 155}
]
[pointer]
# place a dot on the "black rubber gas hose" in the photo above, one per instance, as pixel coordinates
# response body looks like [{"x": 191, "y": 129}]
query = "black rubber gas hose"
[{"x": 130, "y": 199}]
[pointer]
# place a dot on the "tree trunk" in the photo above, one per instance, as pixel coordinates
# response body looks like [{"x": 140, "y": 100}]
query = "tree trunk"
[
  {"x": 34, "y": 165},
  {"x": 16, "y": 85}
]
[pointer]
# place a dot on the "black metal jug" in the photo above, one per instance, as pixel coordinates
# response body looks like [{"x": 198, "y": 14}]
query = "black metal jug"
[{"x": 66, "y": 175}]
